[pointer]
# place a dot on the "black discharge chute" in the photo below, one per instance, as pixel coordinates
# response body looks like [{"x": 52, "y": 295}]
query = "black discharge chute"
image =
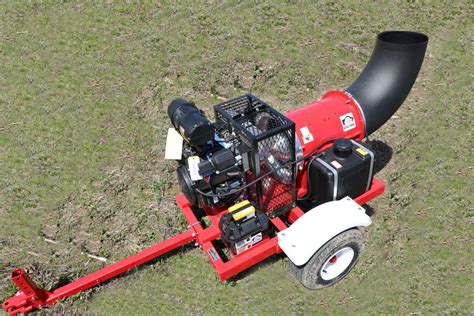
[{"x": 389, "y": 75}]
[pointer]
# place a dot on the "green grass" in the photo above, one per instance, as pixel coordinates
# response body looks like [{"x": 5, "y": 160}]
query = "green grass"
[{"x": 83, "y": 96}]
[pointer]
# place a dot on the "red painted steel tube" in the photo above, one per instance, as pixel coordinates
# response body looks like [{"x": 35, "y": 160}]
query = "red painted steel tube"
[
  {"x": 30, "y": 297},
  {"x": 243, "y": 261},
  {"x": 278, "y": 223},
  {"x": 208, "y": 234},
  {"x": 119, "y": 267},
  {"x": 377, "y": 188},
  {"x": 294, "y": 214}
]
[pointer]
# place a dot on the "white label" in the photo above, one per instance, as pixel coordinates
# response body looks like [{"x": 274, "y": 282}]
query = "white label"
[
  {"x": 247, "y": 243},
  {"x": 347, "y": 121},
  {"x": 174, "y": 145},
  {"x": 336, "y": 164},
  {"x": 257, "y": 238},
  {"x": 213, "y": 254},
  {"x": 307, "y": 136},
  {"x": 193, "y": 165}
]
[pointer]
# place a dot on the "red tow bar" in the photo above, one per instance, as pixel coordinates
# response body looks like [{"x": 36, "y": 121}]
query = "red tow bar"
[{"x": 30, "y": 297}]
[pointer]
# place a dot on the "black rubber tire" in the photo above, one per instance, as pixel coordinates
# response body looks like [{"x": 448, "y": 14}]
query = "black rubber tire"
[{"x": 309, "y": 274}]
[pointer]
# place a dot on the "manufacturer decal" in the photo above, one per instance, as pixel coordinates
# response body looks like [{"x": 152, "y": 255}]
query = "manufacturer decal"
[
  {"x": 247, "y": 243},
  {"x": 347, "y": 121},
  {"x": 307, "y": 136},
  {"x": 213, "y": 254}
]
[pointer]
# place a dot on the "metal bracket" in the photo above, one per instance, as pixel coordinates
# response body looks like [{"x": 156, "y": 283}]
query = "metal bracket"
[{"x": 29, "y": 297}]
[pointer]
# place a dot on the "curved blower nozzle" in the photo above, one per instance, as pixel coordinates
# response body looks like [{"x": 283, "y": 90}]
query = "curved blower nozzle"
[{"x": 389, "y": 76}]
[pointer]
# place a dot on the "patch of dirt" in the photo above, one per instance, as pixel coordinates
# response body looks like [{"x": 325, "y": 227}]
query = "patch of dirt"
[{"x": 131, "y": 206}]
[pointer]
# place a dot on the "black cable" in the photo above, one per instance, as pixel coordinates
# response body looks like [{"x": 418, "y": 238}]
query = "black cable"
[
  {"x": 312, "y": 152},
  {"x": 308, "y": 181}
]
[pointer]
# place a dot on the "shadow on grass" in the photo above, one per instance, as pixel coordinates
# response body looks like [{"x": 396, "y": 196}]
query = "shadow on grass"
[
  {"x": 266, "y": 262},
  {"x": 383, "y": 154},
  {"x": 64, "y": 280}
]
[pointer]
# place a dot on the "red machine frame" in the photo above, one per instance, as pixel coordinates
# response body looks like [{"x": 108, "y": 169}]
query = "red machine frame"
[{"x": 30, "y": 297}]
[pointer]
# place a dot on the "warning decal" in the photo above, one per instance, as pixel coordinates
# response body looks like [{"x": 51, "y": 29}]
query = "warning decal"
[
  {"x": 307, "y": 136},
  {"x": 336, "y": 164},
  {"x": 361, "y": 151},
  {"x": 193, "y": 165},
  {"x": 347, "y": 121}
]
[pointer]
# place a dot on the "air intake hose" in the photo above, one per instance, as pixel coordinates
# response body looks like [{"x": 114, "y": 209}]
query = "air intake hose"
[{"x": 389, "y": 76}]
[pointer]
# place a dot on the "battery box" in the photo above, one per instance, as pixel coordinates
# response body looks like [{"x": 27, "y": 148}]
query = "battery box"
[
  {"x": 243, "y": 226},
  {"x": 346, "y": 169}
]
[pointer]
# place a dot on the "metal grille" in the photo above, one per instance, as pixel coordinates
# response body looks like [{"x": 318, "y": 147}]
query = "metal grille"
[
  {"x": 275, "y": 153},
  {"x": 238, "y": 107},
  {"x": 277, "y": 197},
  {"x": 271, "y": 137}
]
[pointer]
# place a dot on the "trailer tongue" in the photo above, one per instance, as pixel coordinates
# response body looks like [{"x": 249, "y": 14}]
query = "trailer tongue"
[
  {"x": 30, "y": 297},
  {"x": 270, "y": 182}
]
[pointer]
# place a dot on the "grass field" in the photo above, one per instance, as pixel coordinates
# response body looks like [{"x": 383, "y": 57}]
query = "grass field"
[{"x": 83, "y": 96}]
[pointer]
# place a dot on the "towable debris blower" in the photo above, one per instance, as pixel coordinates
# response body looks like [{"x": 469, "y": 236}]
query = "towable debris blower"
[{"x": 270, "y": 182}]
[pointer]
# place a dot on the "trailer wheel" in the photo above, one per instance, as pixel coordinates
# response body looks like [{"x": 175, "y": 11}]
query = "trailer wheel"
[{"x": 331, "y": 262}]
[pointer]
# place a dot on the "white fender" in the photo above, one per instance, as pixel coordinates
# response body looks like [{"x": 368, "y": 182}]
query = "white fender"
[{"x": 319, "y": 225}]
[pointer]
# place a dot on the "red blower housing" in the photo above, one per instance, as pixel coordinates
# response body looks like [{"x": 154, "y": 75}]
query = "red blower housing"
[{"x": 336, "y": 115}]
